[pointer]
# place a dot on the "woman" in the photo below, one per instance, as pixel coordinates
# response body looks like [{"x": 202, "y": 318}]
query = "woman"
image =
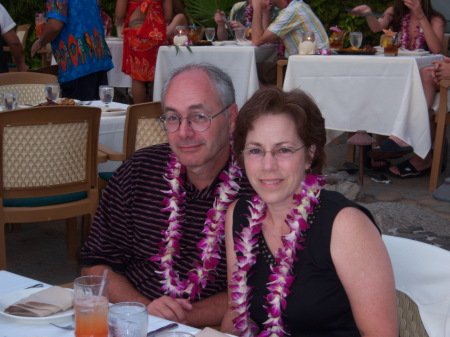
[
  {"x": 179, "y": 19},
  {"x": 309, "y": 262},
  {"x": 144, "y": 23},
  {"x": 420, "y": 27}
]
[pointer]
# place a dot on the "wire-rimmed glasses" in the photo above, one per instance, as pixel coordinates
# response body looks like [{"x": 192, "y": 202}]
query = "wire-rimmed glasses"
[
  {"x": 279, "y": 152},
  {"x": 198, "y": 121}
]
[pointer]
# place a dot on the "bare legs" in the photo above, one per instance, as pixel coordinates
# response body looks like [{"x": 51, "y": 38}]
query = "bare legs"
[{"x": 139, "y": 90}]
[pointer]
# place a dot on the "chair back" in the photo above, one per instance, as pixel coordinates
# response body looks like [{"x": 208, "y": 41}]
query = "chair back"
[
  {"x": 29, "y": 85},
  {"x": 48, "y": 150},
  {"x": 142, "y": 128},
  {"x": 422, "y": 280},
  {"x": 22, "y": 33}
]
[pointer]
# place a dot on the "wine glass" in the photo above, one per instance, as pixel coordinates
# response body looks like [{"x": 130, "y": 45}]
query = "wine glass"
[
  {"x": 51, "y": 91},
  {"x": 239, "y": 33},
  {"x": 10, "y": 100},
  {"x": 356, "y": 39},
  {"x": 106, "y": 94},
  {"x": 210, "y": 32}
]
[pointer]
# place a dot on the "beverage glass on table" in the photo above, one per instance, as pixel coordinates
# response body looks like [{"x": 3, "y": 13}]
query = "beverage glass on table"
[
  {"x": 239, "y": 33},
  {"x": 106, "y": 94},
  {"x": 128, "y": 319},
  {"x": 51, "y": 91},
  {"x": 391, "y": 46},
  {"x": 91, "y": 307},
  {"x": 356, "y": 39},
  {"x": 10, "y": 100},
  {"x": 210, "y": 32}
]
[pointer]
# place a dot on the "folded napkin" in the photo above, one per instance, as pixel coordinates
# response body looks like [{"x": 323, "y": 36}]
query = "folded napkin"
[
  {"x": 209, "y": 332},
  {"x": 42, "y": 303}
]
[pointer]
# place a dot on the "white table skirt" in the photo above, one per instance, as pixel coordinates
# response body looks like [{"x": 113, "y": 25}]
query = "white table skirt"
[
  {"x": 237, "y": 61},
  {"x": 116, "y": 77},
  {"x": 382, "y": 95},
  {"x": 9, "y": 327}
]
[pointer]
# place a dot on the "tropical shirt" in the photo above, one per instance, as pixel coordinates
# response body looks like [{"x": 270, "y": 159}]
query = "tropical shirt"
[
  {"x": 237, "y": 13},
  {"x": 293, "y": 21},
  {"x": 80, "y": 48}
]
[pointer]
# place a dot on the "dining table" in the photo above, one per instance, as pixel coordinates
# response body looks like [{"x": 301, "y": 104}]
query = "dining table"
[
  {"x": 12, "y": 285},
  {"x": 240, "y": 62},
  {"x": 378, "y": 94},
  {"x": 116, "y": 77}
]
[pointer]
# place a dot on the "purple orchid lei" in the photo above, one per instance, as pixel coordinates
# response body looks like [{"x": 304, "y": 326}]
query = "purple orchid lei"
[
  {"x": 281, "y": 278},
  {"x": 419, "y": 40},
  {"x": 209, "y": 246}
]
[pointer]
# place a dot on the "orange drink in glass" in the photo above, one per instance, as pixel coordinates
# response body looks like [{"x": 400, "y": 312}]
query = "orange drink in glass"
[{"x": 91, "y": 307}]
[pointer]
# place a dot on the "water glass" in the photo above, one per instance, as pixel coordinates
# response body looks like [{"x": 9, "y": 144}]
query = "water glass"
[
  {"x": 91, "y": 306},
  {"x": 210, "y": 32},
  {"x": 128, "y": 319},
  {"x": 52, "y": 91},
  {"x": 106, "y": 94},
  {"x": 390, "y": 46},
  {"x": 10, "y": 100},
  {"x": 356, "y": 39},
  {"x": 239, "y": 33}
]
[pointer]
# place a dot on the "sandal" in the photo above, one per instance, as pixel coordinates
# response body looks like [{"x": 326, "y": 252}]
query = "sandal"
[
  {"x": 389, "y": 149},
  {"x": 407, "y": 170}
]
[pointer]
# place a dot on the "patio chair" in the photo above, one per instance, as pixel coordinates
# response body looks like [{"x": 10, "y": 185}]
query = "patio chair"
[
  {"x": 441, "y": 119},
  {"x": 49, "y": 168},
  {"x": 29, "y": 85},
  {"x": 281, "y": 70},
  {"x": 422, "y": 280}
]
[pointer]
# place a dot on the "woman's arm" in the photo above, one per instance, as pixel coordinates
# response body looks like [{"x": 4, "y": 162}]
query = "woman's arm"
[
  {"x": 167, "y": 10},
  {"x": 227, "y": 322},
  {"x": 376, "y": 24},
  {"x": 364, "y": 268},
  {"x": 120, "y": 12}
]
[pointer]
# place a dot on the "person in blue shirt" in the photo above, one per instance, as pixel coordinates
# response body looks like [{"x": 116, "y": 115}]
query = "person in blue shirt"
[{"x": 75, "y": 30}]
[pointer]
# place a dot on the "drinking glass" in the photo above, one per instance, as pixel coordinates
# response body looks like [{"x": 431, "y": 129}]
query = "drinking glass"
[
  {"x": 356, "y": 39},
  {"x": 128, "y": 319},
  {"x": 391, "y": 46},
  {"x": 239, "y": 33},
  {"x": 106, "y": 94},
  {"x": 10, "y": 100},
  {"x": 91, "y": 306},
  {"x": 51, "y": 91},
  {"x": 210, "y": 32},
  {"x": 180, "y": 30}
]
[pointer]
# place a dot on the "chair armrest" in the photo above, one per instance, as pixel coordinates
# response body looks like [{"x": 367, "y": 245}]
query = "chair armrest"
[
  {"x": 112, "y": 154},
  {"x": 102, "y": 157}
]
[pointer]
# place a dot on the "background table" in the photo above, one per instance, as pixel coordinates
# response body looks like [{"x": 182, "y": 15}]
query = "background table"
[
  {"x": 237, "y": 61},
  {"x": 382, "y": 95},
  {"x": 116, "y": 77},
  {"x": 9, "y": 327}
]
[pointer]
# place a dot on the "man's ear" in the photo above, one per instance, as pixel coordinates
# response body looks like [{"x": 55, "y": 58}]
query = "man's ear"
[{"x": 233, "y": 111}]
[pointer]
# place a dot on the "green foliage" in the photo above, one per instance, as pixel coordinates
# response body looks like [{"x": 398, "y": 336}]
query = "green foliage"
[{"x": 201, "y": 12}]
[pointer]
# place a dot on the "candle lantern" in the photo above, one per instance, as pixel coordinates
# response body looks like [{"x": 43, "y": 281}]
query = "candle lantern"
[
  {"x": 180, "y": 37},
  {"x": 307, "y": 44}
]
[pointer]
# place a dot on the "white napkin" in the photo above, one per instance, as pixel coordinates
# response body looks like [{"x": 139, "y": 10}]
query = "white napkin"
[
  {"x": 209, "y": 332},
  {"x": 42, "y": 303}
]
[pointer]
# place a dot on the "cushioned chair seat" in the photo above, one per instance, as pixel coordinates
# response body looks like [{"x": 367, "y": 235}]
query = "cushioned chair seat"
[{"x": 45, "y": 201}]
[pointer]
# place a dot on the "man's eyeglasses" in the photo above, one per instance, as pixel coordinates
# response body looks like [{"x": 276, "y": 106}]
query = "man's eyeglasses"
[
  {"x": 282, "y": 152},
  {"x": 198, "y": 121}
]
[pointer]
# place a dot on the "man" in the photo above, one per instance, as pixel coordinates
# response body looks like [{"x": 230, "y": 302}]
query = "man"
[
  {"x": 165, "y": 199},
  {"x": 295, "y": 18},
  {"x": 10, "y": 37},
  {"x": 240, "y": 17},
  {"x": 75, "y": 29}
]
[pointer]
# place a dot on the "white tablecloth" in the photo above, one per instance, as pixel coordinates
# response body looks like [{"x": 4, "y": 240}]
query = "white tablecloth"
[
  {"x": 237, "y": 61},
  {"x": 382, "y": 95},
  {"x": 116, "y": 77},
  {"x": 9, "y": 327},
  {"x": 111, "y": 133}
]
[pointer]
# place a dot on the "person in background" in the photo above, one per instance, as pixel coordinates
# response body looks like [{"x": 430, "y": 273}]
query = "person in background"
[
  {"x": 179, "y": 18},
  {"x": 160, "y": 223},
  {"x": 295, "y": 18},
  {"x": 106, "y": 19},
  {"x": 419, "y": 27},
  {"x": 302, "y": 261},
  {"x": 10, "y": 37},
  {"x": 241, "y": 15},
  {"x": 144, "y": 31},
  {"x": 75, "y": 30}
]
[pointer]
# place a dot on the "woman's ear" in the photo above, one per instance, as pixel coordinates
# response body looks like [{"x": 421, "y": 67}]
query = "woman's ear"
[{"x": 311, "y": 153}]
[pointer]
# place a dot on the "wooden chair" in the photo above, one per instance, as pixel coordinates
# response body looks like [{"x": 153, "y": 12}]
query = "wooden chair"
[
  {"x": 29, "y": 85},
  {"x": 422, "y": 281},
  {"x": 141, "y": 130},
  {"x": 49, "y": 168},
  {"x": 52, "y": 70},
  {"x": 281, "y": 68},
  {"x": 442, "y": 118}
]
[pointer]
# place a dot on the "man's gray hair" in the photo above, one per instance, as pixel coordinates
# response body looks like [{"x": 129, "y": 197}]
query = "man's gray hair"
[{"x": 220, "y": 81}]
